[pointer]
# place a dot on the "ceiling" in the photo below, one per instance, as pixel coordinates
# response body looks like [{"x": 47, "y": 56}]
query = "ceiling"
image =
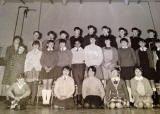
[{"x": 80, "y": 1}]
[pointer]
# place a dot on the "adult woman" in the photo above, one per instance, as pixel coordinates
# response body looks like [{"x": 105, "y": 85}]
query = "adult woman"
[{"x": 11, "y": 51}]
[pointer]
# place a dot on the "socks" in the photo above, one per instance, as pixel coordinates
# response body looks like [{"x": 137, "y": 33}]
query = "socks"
[
  {"x": 44, "y": 96},
  {"x": 49, "y": 92}
]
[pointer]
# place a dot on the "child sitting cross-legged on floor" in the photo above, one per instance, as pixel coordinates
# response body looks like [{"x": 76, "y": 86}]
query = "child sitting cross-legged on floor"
[
  {"x": 19, "y": 93},
  {"x": 141, "y": 90},
  {"x": 116, "y": 91}
]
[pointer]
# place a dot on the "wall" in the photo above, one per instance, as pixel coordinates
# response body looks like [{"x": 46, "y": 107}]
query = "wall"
[{"x": 58, "y": 16}]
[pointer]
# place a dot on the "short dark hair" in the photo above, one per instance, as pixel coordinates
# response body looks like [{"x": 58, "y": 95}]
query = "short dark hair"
[
  {"x": 24, "y": 46},
  {"x": 142, "y": 40},
  {"x": 78, "y": 28},
  {"x": 62, "y": 41},
  {"x": 155, "y": 32},
  {"x": 50, "y": 41},
  {"x": 40, "y": 34},
  {"x": 124, "y": 39},
  {"x": 64, "y": 32},
  {"x": 107, "y": 39},
  {"x": 36, "y": 42},
  {"x": 91, "y": 26},
  {"x": 138, "y": 67},
  {"x": 53, "y": 33},
  {"x": 21, "y": 75},
  {"x": 93, "y": 68},
  {"x": 106, "y": 27},
  {"x": 137, "y": 29},
  {"x": 67, "y": 67},
  {"x": 125, "y": 30}
]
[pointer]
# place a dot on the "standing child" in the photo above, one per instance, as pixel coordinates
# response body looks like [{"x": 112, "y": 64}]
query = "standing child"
[
  {"x": 110, "y": 59},
  {"x": 145, "y": 61},
  {"x": 78, "y": 68},
  {"x": 48, "y": 61},
  {"x": 32, "y": 68},
  {"x": 64, "y": 58},
  {"x": 94, "y": 57},
  {"x": 141, "y": 90},
  {"x": 127, "y": 62},
  {"x": 64, "y": 90},
  {"x": 17, "y": 63}
]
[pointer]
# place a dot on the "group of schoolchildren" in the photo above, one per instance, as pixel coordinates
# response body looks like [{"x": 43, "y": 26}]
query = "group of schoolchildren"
[{"x": 87, "y": 72}]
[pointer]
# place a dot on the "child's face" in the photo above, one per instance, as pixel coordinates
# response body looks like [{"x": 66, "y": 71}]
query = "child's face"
[
  {"x": 50, "y": 44},
  {"x": 157, "y": 44},
  {"x": 16, "y": 41},
  {"x": 21, "y": 50},
  {"x": 90, "y": 72},
  {"x": 77, "y": 44},
  {"x": 121, "y": 32},
  {"x": 105, "y": 31},
  {"x": 151, "y": 35},
  {"x": 36, "y": 35},
  {"x": 138, "y": 72},
  {"x": 51, "y": 36},
  {"x": 135, "y": 33},
  {"x": 142, "y": 44},
  {"x": 92, "y": 40},
  {"x": 63, "y": 36},
  {"x": 124, "y": 44},
  {"x": 91, "y": 30},
  {"x": 115, "y": 73},
  {"x": 77, "y": 32},
  {"x": 65, "y": 72},
  {"x": 35, "y": 46},
  {"x": 62, "y": 45},
  {"x": 107, "y": 42}
]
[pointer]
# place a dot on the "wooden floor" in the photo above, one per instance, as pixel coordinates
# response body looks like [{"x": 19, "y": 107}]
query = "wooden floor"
[{"x": 49, "y": 110}]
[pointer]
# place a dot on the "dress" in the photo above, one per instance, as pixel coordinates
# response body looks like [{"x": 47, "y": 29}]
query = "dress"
[
  {"x": 145, "y": 61},
  {"x": 7, "y": 73},
  {"x": 17, "y": 66},
  {"x": 116, "y": 92},
  {"x": 110, "y": 59},
  {"x": 48, "y": 59}
]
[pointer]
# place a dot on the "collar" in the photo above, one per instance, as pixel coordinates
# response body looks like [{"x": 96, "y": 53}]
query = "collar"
[
  {"x": 49, "y": 49},
  {"x": 77, "y": 49},
  {"x": 63, "y": 49},
  {"x": 138, "y": 78},
  {"x": 125, "y": 47},
  {"x": 143, "y": 48}
]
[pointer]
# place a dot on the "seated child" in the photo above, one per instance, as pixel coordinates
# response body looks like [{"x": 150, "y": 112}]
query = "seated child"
[
  {"x": 141, "y": 90},
  {"x": 116, "y": 91},
  {"x": 64, "y": 90},
  {"x": 19, "y": 93},
  {"x": 92, "y": 90}
]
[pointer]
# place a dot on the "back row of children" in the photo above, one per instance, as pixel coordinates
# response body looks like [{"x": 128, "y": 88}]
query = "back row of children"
[{"x": 47, "y": 59}]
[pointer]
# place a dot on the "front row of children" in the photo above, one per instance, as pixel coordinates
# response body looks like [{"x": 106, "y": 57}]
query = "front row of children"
[{"x": 95, "y": 95}]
